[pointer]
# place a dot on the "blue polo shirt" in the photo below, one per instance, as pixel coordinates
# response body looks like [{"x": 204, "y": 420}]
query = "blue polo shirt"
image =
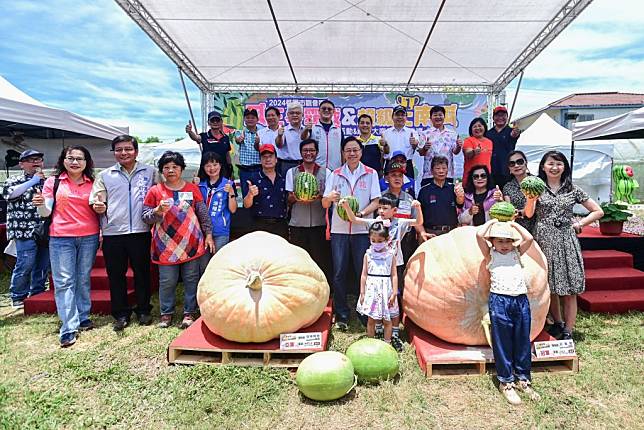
[
  {"x": 219, "y": 146},
  {"x": 438, "y": 204},
  {"x": 502, "y": 144},
  {"x": 272, "y": 200}
]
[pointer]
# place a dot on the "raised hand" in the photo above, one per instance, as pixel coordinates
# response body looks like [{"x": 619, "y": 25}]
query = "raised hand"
[
  {"x": 334, "y": 196},
  {"x": 498, "y": 195},
  {"x": 415, "y": 204},
  {"x": 252, "y": 189},
  {"x": 309, "y": 125},
  {"x": 228, "y": 188},
  {"x": 38, "y": 199},
  {"x": 189, "y": 127},
  {"x": 474, "y": 209},
  {"x": 458, "y": 190},
  {"x": 280, "y": 131},
  {"x": 99, "y": 206},
  {"x": 164, "y": 206},
  {"x": 413, "y": 141}
]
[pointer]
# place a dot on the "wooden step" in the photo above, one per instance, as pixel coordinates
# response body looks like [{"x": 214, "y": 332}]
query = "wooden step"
[
  {"x": 619, "y": 278},
  {"x": 606, "y": 259},
  {"x": 613, "y": 301},
  {"x": 45, "y": 303}
]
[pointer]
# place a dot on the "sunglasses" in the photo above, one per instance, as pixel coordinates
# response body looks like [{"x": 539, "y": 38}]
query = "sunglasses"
[
  {"x": 481, "y": 176},
  {"x": 519, "y": 162},
  {"x": 215, "y": 119}
]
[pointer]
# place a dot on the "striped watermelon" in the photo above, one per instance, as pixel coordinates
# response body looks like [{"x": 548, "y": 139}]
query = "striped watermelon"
[
  {"x": 532, "y": 186},
  {"x": 306, "y": 186},
  {"x": 353, "y": 204},
  {"x": 503, "y": 211}
]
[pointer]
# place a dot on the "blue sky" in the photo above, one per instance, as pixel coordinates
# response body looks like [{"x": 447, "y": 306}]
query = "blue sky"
[{"x": 91, "y": 58}]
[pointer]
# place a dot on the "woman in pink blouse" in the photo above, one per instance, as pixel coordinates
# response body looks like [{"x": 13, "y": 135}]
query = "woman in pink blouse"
[{"x": 73, "y": 238}]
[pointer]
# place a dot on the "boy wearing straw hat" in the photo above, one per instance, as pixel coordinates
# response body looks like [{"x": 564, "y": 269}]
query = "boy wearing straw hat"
[{"x": 509, "y": 306}]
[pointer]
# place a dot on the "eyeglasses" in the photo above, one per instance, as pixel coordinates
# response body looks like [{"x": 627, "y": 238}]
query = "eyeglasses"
[
  {"x": 481, "y": 176},
  {"x": 72, "y": 159},
  {"x": 309, "y": 151},
  {"x": 32, "y": 160},
  {"x": 328, "y": 109},
  {"x": 296, "y": 112},
  {"x": 352, "y": 151},
  {"x": 128, "y": 149},
  {"x": 518, "y": 162}
]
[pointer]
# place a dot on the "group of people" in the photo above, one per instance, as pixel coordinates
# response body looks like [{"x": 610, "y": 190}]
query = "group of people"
[{"x": 154, "y": 215}]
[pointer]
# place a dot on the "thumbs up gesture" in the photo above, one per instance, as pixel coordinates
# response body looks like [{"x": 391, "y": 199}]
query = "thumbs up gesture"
[
  {"x": 252, "y": 189},
  {"x": 99, "y": 205},
  {"x": 309, "y": 125},
  {"x": 412, "y": 141},
  {"x": 498, "y": 195},
  {"x": 280, "y": 131},
  {"x": 458, "y": 190}
]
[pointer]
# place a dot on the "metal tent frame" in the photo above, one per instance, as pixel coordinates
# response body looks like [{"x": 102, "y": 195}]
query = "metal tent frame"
[{"x": 565, "y": 15}]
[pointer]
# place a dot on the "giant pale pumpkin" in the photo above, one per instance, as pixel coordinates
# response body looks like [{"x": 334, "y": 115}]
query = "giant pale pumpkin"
[
  {"x": 260, "y": 286},
  {"x": 447, "y": 287}
]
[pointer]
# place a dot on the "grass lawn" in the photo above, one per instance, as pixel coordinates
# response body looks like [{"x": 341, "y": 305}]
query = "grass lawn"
[{"x": 110, "y": 380}]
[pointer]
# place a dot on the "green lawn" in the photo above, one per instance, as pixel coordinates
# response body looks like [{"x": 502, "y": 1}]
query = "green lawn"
[{"x": 110, "y": 380}]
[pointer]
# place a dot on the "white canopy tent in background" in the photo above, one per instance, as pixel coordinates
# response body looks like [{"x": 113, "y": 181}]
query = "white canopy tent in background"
[
  {"x": 626, "y": 133},
  {"x": 150, "y": 153},
  {"x": 336, "y": 46},
  {"x": 28, "y": 123},
  {"x": 593, "y": 159}
]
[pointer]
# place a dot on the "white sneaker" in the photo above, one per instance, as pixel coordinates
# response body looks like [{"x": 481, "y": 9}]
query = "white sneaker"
[
  {"x": 526, "y": 387},
  {"x": 510, "y": 395}
]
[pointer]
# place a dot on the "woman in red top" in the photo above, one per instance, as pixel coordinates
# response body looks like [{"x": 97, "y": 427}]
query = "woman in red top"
[
  {"x": 477, "y": 149},
  {"x": 180, "y": 236}
]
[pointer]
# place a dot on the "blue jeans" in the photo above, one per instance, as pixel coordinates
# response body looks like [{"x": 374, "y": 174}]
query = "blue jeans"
[
  {"x": 168, "y": 278},
  {"x": 346, "y": 248},
  {"x": 510, "y": 318},
  {"x": 220, "y": 241},
  {"x": 72, "y": 259},
  {"x": 32, "y": 267}
]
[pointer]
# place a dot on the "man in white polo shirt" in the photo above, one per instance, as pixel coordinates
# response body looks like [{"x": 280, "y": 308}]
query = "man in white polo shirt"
[
  {"x": 288, "y": 139},
  {"x": 404, "y": 139},
  {"x": 328, "y": 136}
]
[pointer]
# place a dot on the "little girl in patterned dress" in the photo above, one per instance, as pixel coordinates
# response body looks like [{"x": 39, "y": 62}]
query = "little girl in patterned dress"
[
  {"x": 379, "y": 282},
  {"x": 509, "y": 306}
]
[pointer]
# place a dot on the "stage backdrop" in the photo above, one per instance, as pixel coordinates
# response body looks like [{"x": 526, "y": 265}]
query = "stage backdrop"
[{"x": 460, "y": 110}]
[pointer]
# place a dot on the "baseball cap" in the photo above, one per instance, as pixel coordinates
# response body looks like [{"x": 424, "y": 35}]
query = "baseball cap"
[
  {"x": 499, "y": 109},
  {"x": 398, "y": 154},
  {"x": 251, "y": 112},
  {"x": 214, "y": 114},
  {"x": 399, "y": 108},
  {"x": 267, "y": 147},
  {"x": 396, "y": 167},
  {"x": 503, "y": 230},
  {"x": 30, "y": 153}
]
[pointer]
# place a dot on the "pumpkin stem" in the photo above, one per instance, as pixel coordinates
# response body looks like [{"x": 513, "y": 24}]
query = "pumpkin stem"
[
  {"x": 254, "y": 281},
  {"x": 485, "y": 322}
]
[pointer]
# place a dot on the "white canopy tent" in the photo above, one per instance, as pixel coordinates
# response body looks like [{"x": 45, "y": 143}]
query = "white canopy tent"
[
  {"x": 337, "y": 46},
  {"x": 28, "y": 123},
  {"x": 593, "y": 159},
  {"x": 629, "y": 125},
  {"x": 150, "y": 153}
]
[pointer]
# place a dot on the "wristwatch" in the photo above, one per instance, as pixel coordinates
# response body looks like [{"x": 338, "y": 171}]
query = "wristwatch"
[{"x": 359, "y": 214}]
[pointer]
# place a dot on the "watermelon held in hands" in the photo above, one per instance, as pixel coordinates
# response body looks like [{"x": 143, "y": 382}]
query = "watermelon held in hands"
[
  {"x": 532, "y": 186},
  {"x": 502, "y": 211},
  {"x": 306, "y": 186},
  {"x": 325, "y": 376},
  {"x": 353, "y": 204},
  {"x": 373, "y": 360}
]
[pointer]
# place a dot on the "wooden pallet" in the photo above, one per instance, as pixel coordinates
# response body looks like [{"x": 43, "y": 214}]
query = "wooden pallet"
[
  {"x": 440, "y": 359},
  {"x": 198, "y": 344}
]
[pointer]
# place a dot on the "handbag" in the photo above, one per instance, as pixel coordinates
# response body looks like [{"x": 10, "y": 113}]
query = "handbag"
[{"x": 41, "y": 231}]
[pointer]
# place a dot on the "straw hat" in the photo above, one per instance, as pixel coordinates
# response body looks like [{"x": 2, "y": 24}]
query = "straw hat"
[{"x": 503, "y": 230}]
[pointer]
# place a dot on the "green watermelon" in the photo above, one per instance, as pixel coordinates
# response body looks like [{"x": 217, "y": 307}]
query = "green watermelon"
[
  {"x": 325, "y": 376},
  {"x": 353, "y": 204},
  {"x": 532, "y": 186},
  {"x": 306, "y": 186},
  {"x": 373, "y": 360},
  {"x": 503, "y": 211}
]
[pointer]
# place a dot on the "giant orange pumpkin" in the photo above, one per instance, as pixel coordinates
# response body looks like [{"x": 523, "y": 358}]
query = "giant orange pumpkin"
[
  {"x": 260, "y": 286},
  {"x": 447, "y": 287}
]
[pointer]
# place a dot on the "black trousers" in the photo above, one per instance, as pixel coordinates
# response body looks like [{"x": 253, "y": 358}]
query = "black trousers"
[
  {"x": 271, "y": 225},
  {"x": 500, "y": 180},
  {"x": 118, "y": 251},
  {"x": 313, "y": 240},
  {"x": 283, "y": 166}
]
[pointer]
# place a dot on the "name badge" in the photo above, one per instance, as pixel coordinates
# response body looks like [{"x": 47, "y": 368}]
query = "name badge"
[
  {"x": 185, "y": 195},
  {"x": 404, "y": 209}
]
